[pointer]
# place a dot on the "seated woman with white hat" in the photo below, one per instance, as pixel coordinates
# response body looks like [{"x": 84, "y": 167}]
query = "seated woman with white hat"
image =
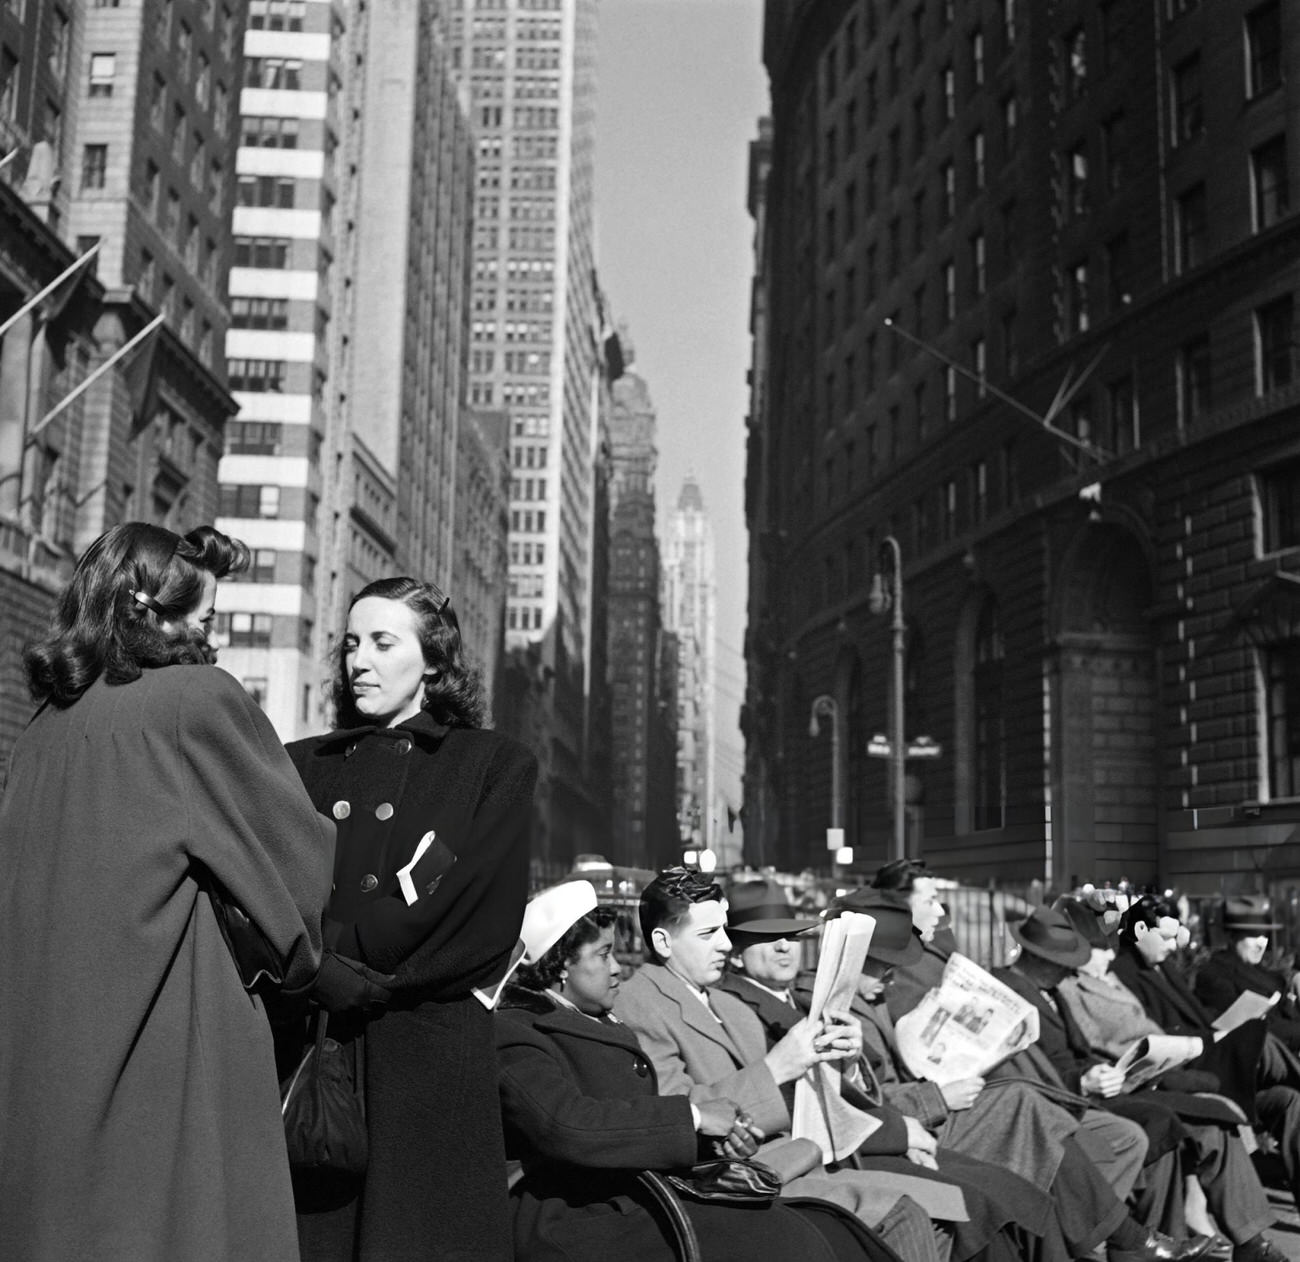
[{"x": 583, "y": 1115}]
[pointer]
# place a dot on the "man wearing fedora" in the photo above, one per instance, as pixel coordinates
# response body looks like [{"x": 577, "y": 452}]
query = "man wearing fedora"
[{"x": 1239, "y": 967}]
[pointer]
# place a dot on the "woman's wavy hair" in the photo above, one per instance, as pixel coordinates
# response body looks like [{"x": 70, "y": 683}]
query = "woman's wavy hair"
[
  {"x": 110, "y": 619},
  {"x": 548, "y": 970},
  {"x": 453, "y": 692}
]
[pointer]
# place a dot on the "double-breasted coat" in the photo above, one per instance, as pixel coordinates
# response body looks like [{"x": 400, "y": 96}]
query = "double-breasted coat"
[
  {"x": 138, "y": 1095},
  {"x": 583, "y": 1114},
  {"x": 435, "y": 1183}
]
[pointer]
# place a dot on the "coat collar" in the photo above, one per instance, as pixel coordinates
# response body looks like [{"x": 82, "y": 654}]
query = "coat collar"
[{"x": 422, "y": 727}]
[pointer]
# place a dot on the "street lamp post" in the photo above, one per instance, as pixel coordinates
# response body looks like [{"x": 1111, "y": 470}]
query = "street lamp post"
[
  {"x": 887, "y": 593},
  {"x": 826, "y": 707}
]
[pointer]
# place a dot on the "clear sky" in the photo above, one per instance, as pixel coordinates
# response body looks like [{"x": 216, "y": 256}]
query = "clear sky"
[{"x": 681, "y": 89}]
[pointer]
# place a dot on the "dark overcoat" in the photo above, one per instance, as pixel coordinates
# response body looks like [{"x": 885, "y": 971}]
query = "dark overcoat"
[
  {"x": 1225, "y": 975},
  {"x": 583, "y": 1114},
  {"x": 435, "y": 1184},
  {"x": 138, "y": 1094}
]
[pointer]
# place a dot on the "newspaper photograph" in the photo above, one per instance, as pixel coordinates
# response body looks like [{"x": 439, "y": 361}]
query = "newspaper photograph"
[{"x": 964, "y": 1027}]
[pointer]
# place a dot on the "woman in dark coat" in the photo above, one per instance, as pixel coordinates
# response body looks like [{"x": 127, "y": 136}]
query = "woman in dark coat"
[
  {"x": 412, "y": 774},
  {"x": 140, "y": 1109},
  {"x": 583, "y": 1114}
]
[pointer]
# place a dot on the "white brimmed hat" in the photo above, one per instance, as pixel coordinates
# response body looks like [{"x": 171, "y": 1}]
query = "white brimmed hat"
[{"x": 552, "y": 913}]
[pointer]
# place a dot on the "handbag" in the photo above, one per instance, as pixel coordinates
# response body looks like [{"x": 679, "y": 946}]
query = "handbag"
[
  {"x": 323, "y": 1106},
  {"x": 729, "y": 1180},
  {"x": 255, "y": 957}
]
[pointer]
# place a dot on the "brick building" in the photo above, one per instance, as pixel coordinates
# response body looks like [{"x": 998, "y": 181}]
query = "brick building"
[{"x": 1064, "y": 203}]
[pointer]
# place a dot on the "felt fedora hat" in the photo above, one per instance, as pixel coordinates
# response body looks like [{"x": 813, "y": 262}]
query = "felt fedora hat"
[
  {"x": 551, "y": 913},
  {"x": 1050, "y": 936},
  {"x": 1249, "y": 913},
  {"x": 1088, "y": 920},
  {"x": 893, "y": 940},
  {"x": 758, "y": 911}
]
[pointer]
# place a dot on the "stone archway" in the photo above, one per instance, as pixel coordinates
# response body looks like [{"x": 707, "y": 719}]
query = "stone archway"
[{"x": 1105, "y": 763}]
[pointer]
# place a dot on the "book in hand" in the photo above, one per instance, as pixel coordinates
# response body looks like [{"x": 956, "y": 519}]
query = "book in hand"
[
  {"x": 429, "y": 864},
  {"x": 1152, "y": 1054},
  {"x": 1246, "y": 1007}
]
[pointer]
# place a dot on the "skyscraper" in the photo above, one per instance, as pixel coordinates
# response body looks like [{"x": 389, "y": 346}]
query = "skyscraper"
[
  {"x": 645, "y": 831},
  {"x": 348, "y": 304},
  {"x": 690, "y": 612},
  {"x": 537, "y": 351}
]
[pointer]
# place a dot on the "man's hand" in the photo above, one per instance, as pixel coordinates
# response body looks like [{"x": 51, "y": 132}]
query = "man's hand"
[
  {"x": 921, "y": 1145},
  {"x": 1102, "y": 1080},
  {"x": 797, "y": 1052},
  {"x": 842, "y": 1034},
  {"x": 961, "y": 1095}
]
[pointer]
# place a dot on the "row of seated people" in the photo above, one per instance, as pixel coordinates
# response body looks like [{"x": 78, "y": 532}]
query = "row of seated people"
[{"x": 698, "y": 1053}]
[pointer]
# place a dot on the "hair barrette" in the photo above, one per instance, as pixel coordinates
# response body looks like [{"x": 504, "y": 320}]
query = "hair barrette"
[
  {"x": 442, "y": 608},
  {"x": 143, "y": 598}
]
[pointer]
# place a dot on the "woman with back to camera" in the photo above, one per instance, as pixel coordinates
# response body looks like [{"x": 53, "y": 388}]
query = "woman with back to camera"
[
  {"x": 140, "y": 1107},
  {"x": 412, "y": 775}
]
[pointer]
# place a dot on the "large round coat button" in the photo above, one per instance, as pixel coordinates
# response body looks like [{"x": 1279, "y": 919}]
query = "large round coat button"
[
  {"x": 404, "y": 745},
  {"x": 342, "y": 810},
  {"x": 642, "y": 1069},
  {"x": 369, "y": 882},
  {"x": 384, "y": 810},
  {"x": 351, "y": 749}
]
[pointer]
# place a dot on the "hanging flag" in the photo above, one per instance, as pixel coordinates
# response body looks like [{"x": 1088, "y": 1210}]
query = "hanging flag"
[
  {"x": 60, "y": 294},
  {"x": 140, "y": 375}
]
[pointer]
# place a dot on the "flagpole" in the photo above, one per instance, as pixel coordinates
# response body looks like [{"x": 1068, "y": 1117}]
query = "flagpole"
[
  {"x": 49, "y": 289},
  {"x": 94, "y": 376}
]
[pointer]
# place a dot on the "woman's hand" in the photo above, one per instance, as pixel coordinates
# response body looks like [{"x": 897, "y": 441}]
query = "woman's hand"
[
  {"x": 343, "y": 985},
  {"x": 732, "y": 1131},
  {"x": 961, "y": 1095}
]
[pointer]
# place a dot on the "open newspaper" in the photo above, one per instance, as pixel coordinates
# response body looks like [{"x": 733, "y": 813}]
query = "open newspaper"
[
  {"x": 964, "y": 1027},
  {"x": 821, "y": 1114},
  {"x": 1153, "y": 1054},
  {"x": 1245, "y": 1007}
]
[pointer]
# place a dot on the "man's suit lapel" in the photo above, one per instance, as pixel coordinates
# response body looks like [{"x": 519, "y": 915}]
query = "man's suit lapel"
[{"x": 694, "y": 1014}]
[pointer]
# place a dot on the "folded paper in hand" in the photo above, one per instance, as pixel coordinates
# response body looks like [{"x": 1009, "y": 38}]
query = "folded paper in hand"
[
  {"x": 1246, "y": 1007},
  {"x": 428, "y": 865},
  {"x": 964, "y": 1027},
  {"x": 1152, "y": 1054},
  {"x": 821, "y": 1113}
]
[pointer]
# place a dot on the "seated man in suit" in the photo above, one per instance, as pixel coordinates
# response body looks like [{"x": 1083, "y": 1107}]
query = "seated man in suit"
[
  {"x": 705, "y": 1043},
  {"x": 1240, "y": 967},
  {"x": 1255, "y": 1069}
]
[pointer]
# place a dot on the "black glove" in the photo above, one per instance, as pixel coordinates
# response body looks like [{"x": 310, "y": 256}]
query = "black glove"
[{"x": 343, "y": 985}]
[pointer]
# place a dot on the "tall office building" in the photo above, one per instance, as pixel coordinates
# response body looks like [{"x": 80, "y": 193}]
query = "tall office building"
[
  {"x": 644, "y": 832},
  {"x": 690, "y": 612},
  {"x": 117, "y": 131},
  {"x": 348, "y": 306},
  {"x": 1086, "y": 210},
  {"x": 537, "y": 351}
]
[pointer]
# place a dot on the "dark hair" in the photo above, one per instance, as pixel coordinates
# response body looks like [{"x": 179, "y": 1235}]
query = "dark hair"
[
  {"x": 900, "y": 874},
  {"x": 546, "y": 972},
  {"x": 453, "y": 694},
  {"x": 1150, "y": 909},
  {"x": 109, "y": 619},
  {"x": 669, "y": 897}
]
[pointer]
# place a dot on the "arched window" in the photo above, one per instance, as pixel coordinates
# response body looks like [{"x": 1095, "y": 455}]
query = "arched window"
[{"x": 989, "y": 727}]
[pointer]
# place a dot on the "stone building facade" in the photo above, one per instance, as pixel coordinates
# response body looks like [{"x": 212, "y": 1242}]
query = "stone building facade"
[{"x": 1072, "y": 212}]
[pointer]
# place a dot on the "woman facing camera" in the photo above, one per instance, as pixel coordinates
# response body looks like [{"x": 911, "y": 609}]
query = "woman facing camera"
[
  {"x": 583, "y": 1116},
  {"x": 137, "y": 1076},
  {"x": 430, "y": 880}
]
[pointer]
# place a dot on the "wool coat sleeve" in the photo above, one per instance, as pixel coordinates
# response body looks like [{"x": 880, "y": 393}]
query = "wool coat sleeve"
[
  {"x": 541, "y": 1101},
  {"x": 470, "y": 925},
  {"x": 249, "y": 821}
]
